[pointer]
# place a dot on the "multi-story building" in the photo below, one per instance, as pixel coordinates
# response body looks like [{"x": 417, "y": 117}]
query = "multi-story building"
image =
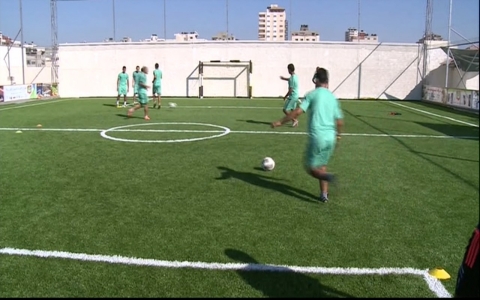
[
  {"x": 305, "y": 35},
  {"x": 272, "y": 24},
  {"x": 186, "y": 36},
  {"x": 223, "y": 36},
  {"x": 353, "y": 35}
]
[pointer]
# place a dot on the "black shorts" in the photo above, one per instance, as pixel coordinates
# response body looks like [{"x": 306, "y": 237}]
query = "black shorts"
[{"x": 468, "y": 280}]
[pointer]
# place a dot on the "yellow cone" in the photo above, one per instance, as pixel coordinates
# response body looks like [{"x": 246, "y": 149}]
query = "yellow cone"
[
  {"x": 439, "y": 273},
  {"x": 39, "y": 125},
  {"x": 18, "y": 131}
]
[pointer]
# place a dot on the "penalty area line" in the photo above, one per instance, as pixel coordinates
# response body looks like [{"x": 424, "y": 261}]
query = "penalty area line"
[
  {"x": 434, "y": 284},
  {"x": 235, "y": 131}
]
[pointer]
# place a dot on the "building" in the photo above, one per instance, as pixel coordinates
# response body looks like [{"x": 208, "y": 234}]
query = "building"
[
  {"x": 5, "y": 40},
  {"x": 153, "y": 39},
  {"x": 223, "y": 36},
  {"x": 353, "y": 35},
  {"x": 430, "y": 37},
  {"x": 305, "y": 35},
  {"x": 187, "y": 36},
  {"x": 272, "y": 24}
]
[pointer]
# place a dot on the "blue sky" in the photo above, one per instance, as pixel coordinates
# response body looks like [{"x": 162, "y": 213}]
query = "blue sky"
[{"x": 401, "y": 21}]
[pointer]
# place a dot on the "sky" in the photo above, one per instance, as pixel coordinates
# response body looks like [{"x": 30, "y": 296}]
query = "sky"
[{"x": 395, "y": 21}]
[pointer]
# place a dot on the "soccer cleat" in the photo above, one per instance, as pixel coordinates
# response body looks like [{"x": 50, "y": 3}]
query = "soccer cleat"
[
  {"x": 159, "y": 106},
  {"x": 323, "y": 198},
  {"x": 295, "y": 123}
]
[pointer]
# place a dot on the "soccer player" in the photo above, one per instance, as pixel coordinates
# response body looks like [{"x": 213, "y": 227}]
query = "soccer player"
[
  {"x": 142, "y": 94},
  {"x": 469, "y": 273},
  {"x": 157, "y": 87},
  {"x": 122, "y": 86},
  {"x": 324, "y": 127},
  {"x": 291, "y": 98},
  {"x": 135, "y": 83}
]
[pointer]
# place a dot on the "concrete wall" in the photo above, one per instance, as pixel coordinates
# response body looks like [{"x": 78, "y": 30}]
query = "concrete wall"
[
  {"x": 387, "y": 71},
  {"x": 14, "y": 58}
]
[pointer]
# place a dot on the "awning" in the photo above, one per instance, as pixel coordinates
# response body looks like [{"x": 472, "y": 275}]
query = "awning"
[{"x": 466, "y": 59}]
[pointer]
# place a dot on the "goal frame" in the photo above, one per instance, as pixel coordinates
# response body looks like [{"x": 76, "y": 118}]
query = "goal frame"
[{"x": 243, "y": 66}]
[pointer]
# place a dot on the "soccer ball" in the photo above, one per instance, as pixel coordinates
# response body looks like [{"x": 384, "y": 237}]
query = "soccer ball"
[
  {"x": 268, "y": 164},
  {"x": 172, "y": 104}
]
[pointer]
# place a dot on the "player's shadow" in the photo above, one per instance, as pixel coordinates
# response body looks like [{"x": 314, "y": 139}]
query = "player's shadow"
[
  {"x": 266, "y": 183},
  {"x": 127, "y": 117},
  {"x": 108, "y": 104},
  {"x": 255, "y": 122},
  {"x": 281, "y": 282},
  {"x": 472, "y": 184}
]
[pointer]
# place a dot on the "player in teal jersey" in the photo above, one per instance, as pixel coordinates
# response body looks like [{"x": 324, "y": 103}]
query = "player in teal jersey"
[
  {"x": 135, "y": 83},
  {"x": 157, "y": 87},
  {"x": 122, "y": 86},
  {"x": 324, "y": 128},
  {"x": 142, "y": 94},
  {"x": 292, "y": 96}
]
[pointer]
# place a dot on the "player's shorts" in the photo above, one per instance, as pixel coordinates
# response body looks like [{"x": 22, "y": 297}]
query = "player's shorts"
[
  {"x": 290, "y": 104},
  {"x": 469, "y": 272},
  {"x": 157, "y": 90},
  {"x": 319, "y": 152},
  {"x": 143, "y": 99},
  {"x": 122, "y": 90}
]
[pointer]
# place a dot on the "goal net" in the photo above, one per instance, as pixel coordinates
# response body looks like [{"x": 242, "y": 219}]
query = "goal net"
[{"x": 217, "y": 78}]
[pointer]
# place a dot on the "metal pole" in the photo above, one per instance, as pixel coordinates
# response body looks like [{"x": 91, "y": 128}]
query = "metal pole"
[
  {"x": 447, "y": 66},
  {"x": 227, "y": 20},
  {"x": 21, "y": 37},
  {"x": 165, "y": 20},
  {"x": 114, "y": 23},
  {"x": 358, "y": 35},
  {"x": 289, "y": 21}
]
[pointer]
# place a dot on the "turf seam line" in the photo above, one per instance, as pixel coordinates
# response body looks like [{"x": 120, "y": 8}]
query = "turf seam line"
[
  {"x": 35, "y": 104},
  {"x": 434, "y": 284}
]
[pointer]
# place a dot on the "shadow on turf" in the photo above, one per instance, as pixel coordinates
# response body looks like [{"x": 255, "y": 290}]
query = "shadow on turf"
[
  {"x": 127, "y": 117},
  {"x": 419, "y": 154},
  {"x": 267, "y": 183},
  {"x": 255, "y": 122},
  {"x": 452, "y": 129},
  {"x": 282, "y": 283}
]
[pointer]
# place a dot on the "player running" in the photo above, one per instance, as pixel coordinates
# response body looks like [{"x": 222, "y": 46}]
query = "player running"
[
  {"x": 291, "y": 98},
  {"x": 324, "y": 128},
  {"x": 135, "y": 83},
  {"x": 122, "y": 87},
  {"x": 142, "y": 94},
  {"x": 157, "y": 87}
]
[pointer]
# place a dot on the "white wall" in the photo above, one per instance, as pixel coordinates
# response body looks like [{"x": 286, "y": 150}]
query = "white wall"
[
  {"x": 390, "y": 70},
  {"x": 32, "y": 74}
]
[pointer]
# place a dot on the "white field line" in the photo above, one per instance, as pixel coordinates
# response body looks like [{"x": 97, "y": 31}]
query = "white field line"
[
  {"x": 43, "y": 102},
  {"x": 434, "y": 285},
  {"x": 435, "y": 115},
  {"x": 233, "y": 131}
]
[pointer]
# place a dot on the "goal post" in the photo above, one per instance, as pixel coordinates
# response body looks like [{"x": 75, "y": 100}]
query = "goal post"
[{"x": 218, "y": 78}]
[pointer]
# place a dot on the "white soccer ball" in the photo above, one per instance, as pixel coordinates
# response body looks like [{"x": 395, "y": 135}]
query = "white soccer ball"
[
  {"x": 172, "y": 104},
  {"x": 268, "y": 164}
]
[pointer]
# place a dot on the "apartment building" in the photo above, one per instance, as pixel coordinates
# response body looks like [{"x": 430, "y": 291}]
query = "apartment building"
[
  {"x": 273, "y": 24},
  {"x": 353, "y": 35},
  {"x": 305, "y": 35}
]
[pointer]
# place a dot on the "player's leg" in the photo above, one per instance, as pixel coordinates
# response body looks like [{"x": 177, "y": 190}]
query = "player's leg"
[
  {"x": 118, "y": 96},
  {"x": 469, "y": 272},
  {"x": 290, "y": 105},
  {"x": 154, "y": 97},
  {"x": 125, "y": 100},
  {"x": 317, "y": 158},
  {"x": 133, "y": 109},
  {"x": 143, "y": 100},
  {"x": 159, "y": 97}
]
